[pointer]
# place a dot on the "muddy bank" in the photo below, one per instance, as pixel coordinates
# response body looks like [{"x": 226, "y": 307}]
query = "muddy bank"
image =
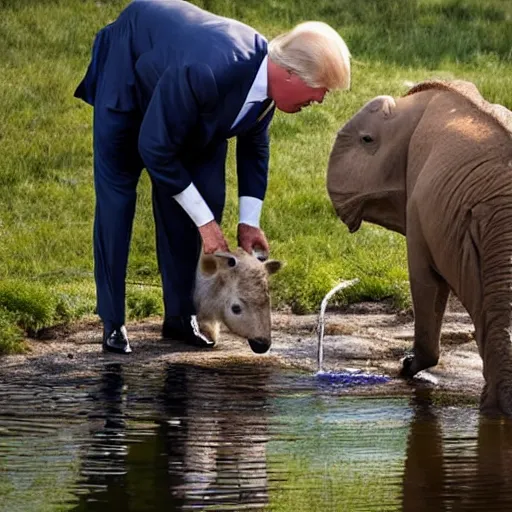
[{"x": 364, "y": 337}]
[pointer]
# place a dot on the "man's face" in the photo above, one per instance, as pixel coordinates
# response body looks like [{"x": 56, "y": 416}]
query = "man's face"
[{"x": 292, "y": 94}]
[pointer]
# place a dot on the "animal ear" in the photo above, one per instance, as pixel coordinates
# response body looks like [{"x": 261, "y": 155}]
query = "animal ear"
[
  {"x": 384, "y": 104},
  {"x": 226, "y": 258},
  {"x": 208, "y": 265},
  {"x": 272, "y": 266}
]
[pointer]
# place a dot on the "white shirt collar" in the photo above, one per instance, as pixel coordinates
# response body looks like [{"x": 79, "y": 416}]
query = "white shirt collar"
[{"x": 258, "y": 90}]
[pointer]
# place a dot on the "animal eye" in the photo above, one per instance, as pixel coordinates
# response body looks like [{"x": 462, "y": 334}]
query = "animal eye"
[
  {"x": 236, "y": 309},
  {"x": 367, "y": 139}
]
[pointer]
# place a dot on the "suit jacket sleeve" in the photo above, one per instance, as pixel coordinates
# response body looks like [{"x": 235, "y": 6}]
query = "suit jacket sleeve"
[
  {"x": 173, "y": 112},
  {"x": 252, "y": 156}
]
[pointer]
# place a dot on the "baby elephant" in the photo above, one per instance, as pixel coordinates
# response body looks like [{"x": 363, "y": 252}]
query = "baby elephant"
[
  {"x": 232, "y": 288},
  {"x": 436, "y": 166}
]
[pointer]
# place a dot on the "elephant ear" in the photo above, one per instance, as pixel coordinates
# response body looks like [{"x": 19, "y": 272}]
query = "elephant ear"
[{"x": 384, "y": 104}]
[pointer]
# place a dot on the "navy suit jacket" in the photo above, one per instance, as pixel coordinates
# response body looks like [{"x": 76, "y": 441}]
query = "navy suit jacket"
[{"x": 187, "y": 73}]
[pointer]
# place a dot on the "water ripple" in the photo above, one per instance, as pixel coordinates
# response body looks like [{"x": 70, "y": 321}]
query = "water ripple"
[{"x": 243, "y": 438}]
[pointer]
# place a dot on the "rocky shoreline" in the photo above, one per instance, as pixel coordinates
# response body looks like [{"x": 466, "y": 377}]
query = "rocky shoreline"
[{"x": 365, "y": 338}]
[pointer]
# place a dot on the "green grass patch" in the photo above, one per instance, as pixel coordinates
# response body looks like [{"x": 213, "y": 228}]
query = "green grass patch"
[
  {"x": 46, "y": 191},
  {"x": 143, "y": 302},
  {"x": 11, "y": 336},
  {"x": 31, "y": 305}
]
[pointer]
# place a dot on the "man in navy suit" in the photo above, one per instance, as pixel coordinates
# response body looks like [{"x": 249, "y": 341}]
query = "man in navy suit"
[{"x": 170, "y": 83}]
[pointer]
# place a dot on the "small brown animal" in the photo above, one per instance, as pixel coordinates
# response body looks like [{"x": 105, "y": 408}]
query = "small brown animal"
[{"x": 232, "y": 288}]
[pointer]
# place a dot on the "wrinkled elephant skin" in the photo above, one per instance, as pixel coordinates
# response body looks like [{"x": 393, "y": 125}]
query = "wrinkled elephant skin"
[{"x": 436, "y": 166}]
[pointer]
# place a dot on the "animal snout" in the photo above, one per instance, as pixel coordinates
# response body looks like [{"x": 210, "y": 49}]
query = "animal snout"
[{"x": 259, "y": 345}]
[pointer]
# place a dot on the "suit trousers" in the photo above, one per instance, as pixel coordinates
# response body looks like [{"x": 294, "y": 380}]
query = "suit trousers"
[{"x": 117, "y": 169}]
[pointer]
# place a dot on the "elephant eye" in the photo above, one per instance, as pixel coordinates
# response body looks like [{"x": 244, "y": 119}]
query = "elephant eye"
[
  {"x": 236, "y": 309},
  {"x": 367, "y": 139}
]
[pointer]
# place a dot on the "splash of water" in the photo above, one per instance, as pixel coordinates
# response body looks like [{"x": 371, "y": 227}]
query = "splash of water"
[
  {"x": 351, "y": 378},
  {"x": 321, "y": 318},
  {"x": 348, "y": 377}
]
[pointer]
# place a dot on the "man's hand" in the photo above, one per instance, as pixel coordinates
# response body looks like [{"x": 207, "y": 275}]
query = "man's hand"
[
  {"x": 213, "y": 238},
  {"x": 251, "y": 238}
]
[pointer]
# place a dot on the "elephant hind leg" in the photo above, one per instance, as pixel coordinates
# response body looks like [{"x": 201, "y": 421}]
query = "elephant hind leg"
[
  {"x": 497, "y": 395},
  {"x": 492, "y": 234},
  {"x": 497, "y": 365},
  {"x": 505, "y": 395}
]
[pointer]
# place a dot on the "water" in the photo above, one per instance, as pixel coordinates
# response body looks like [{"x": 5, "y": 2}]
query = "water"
[{"x": 241, "y": 438}]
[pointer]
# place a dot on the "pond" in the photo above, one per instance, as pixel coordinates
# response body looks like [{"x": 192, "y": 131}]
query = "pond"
[{"x": 242, "y": 438}]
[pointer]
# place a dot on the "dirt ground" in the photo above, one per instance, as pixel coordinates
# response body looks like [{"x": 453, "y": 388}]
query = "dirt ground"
[{"x": 364, "y": 337}]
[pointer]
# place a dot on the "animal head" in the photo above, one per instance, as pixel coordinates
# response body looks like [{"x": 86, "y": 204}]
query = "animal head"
[
  {"x": 233, "y": 288},
  {"x": 366, "y": 177}
]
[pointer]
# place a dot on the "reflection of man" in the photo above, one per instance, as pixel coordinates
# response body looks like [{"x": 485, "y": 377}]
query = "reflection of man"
[
  {"x": 170, "y": 84},
  {"x": 104, "y": 463},
  {"x": 127, "y": 468},
  {"x": 223, "y": 435},
  {"x": 195, "y": 447}
]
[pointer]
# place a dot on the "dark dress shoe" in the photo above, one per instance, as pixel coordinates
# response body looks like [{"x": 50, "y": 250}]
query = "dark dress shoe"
[
  {"x": 185, "y": 328},
  {"x": 116, "y": 341}
]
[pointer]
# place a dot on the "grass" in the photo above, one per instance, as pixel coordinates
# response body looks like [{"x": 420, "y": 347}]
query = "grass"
[{"x": 46, "y": 193}]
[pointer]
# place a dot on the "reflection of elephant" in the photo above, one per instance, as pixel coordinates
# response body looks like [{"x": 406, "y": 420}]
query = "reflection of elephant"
[
  {"x": 423, "y": 474},
  {"x": 494, "y": 468},
  {"x": 436, "y": 165},
  {"x": 445, "y": 473}
]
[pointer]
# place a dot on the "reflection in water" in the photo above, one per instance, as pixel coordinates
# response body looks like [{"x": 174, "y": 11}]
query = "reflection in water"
[
  {"x": 222, "y": 436},
  {"x": 110, "y": 465},
  {"x": 241, "y": 438},
  {"x": 449, "y": 468},
  {"x": 423, "y": 474},
  {"x": 208, "y": 446},
  {"x": 494, "y": 469}
]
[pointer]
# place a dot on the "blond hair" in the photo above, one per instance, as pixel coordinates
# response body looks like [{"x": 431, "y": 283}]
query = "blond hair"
[{"x": 315, "y": 52}]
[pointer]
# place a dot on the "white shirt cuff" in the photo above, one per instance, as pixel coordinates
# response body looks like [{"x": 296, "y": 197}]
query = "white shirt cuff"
[
  {"x": 192, "y": 202},
  {"x": 250, "y": 210}
]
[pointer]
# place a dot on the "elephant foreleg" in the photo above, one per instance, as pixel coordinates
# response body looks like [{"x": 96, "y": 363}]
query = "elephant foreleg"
[{"x": 429, "y": 296}]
